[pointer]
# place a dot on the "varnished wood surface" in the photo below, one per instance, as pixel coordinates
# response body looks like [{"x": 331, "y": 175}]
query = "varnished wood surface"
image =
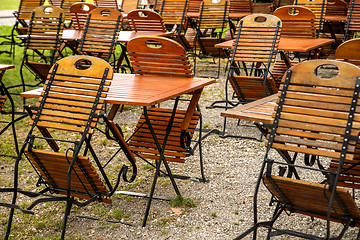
[
  {"x": 291, "y": 44},
  {"x": 6, "y": 67},
  {"x": 140, "y": 90},
  {"x": 260, "y": 110}
]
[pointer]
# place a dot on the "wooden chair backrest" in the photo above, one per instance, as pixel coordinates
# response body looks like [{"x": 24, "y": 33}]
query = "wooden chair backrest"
[
  {"x": 297, "y": 21},
  {"x": 214, "y": 14},
  {"x": 79, "y": 14},
  {"x": 107, "y": 4},
  {"x": 240, "y": 6},
  {"x": 349, "y": 51},
  {"x": 317, "y": 6},
  {"x": 280, "y": 3},
  {"x": 353, "y": 16},
  {"x": 26, "y": 7},
  {"x": 46, "y": 25},
  {"x": 145, "y": 20},
  {"x": 172, "y": 11},
  {"x": 158, "y": 56},
  {"x": 336, "y": 8},
  {"x": 101, "y": 32},
  {"x": 316, "y": 109},
  {"x": 258, "y": 36},
  {"x": 72, "y": 92}
]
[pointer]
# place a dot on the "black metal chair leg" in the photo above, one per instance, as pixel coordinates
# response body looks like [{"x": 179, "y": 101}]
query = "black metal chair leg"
[{"x": 69, "y": 203}]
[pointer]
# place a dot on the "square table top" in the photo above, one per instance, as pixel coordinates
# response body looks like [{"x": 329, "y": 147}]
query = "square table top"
[
  {"x": 290, "y": 44},
  {"x": 144, "y": 90}
]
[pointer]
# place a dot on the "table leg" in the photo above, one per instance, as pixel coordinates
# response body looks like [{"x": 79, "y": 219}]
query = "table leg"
[{"x": 161, "y": 150}]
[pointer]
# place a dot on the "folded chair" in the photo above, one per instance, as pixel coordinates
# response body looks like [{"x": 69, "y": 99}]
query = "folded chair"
[
  {"x": 352, "y": 19},
  {"x": 23, "y": 15},
  {"x": 43, "y": 44},
  {"x": 101, "y": 33},
  {"x": 145, "y": 20},
  {"x": 148, "y": 58},
  {"x": 255, "y": 49},
  {"x": 193, "y": 9},
  {"x": 72, "y": 101},
  {"x": 210, "y": 30},
  {"x": 316, "y": 114}
]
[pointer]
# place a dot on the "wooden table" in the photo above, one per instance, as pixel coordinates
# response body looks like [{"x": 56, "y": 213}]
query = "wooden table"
[
  {"x": 302, "y": 45},
  {"x": 145, "y": 91},
  {"x": 4, "y": 67},
  {"x": 259, "y": 111}
]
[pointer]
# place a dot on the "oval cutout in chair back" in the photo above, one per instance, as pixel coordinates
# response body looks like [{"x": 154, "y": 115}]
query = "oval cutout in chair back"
[
  {"x": 83, "y": 64},
  {"x": 153, "y": 44},
  {"x": 293, "y": 11},
  {"x": 326, "y": 71},
  {"x": 260, "y": 19},
  {"x": 105, "y": 13},
  {"x": 143, "y": 14}
]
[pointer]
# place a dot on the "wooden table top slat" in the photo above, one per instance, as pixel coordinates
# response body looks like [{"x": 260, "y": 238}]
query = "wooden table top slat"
[{"x": 6, "y": 67}]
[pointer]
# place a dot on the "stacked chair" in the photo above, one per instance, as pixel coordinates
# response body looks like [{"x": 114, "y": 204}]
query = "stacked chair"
[
  {"x": 100, "y": 33},
  {"x": 71, "y": 101},
  {"x": 43, "y": 43},
  {"x": 213, "y": 16},
  {"x": 317, "y": 115}
]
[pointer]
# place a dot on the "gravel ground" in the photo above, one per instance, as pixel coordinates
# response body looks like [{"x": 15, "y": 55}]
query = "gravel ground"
[{"x": 224, "y": 204}]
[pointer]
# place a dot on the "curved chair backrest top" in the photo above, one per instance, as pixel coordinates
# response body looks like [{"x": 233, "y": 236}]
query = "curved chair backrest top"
[
  {"x": 297, "y": 21},
  {"x": 105, "y": 14},
  {"x": 145, "y": 20},
  {"x": 79, "y": 13},
  {"x": 158, "y": 56},
  {"x": 349, "y": 51},
  {"x": 48, "y": 11}
]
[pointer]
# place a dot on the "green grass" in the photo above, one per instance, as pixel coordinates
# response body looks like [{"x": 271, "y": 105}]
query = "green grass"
[{"x": 9, "y": 4}]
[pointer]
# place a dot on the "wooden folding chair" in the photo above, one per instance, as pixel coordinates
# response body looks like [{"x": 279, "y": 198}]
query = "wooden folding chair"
[
  {"x": 145, "y": 20},
  {"x": 101, "y": 33},
  {"x": 318, "y": 7},
  {"x": 71, "y": 101},
  {"x": 193, "y": 8},
  {"x": 79, "y": 14},
  {"x": 349, "y": 51},
  {"x": 316, "y": 114},
  {"x": 65, "y": 5},
  {"x": 165, "y": 57},
  {"x": 213, "y": 16},
  {"x": 42, "y": 45},
  {"x": 353, "y": 19}
]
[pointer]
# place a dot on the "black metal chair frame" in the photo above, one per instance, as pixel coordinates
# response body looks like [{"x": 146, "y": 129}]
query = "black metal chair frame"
[
  {"x": 77, "y": 148},
  {"x": 331, "y": 176},
  {"x": 200, "y": 34}
]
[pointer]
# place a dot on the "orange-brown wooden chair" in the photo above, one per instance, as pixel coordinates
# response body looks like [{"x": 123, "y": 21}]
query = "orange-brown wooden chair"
[
  {"x": 239, "y": 9},
  {"x": 316, "y": 113},
  {"x": 165, "y": 57},
  {"x": 101, "y": 33},
  {"x": 69, "y": 168},
  {"x": 145, "y": 20},
  {"x": 79, "y": 14},
  {"x": 352, "y": 19}
]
